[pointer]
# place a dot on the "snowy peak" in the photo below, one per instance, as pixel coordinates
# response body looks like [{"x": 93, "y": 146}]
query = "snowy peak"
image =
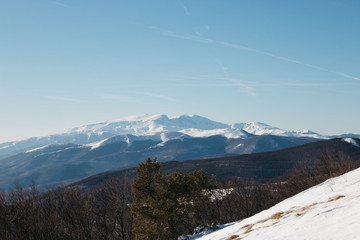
[
  {"x": 258, "y": 128},
  {"x": 150, "y": 124},
  {"x": 192, "y": 125}
]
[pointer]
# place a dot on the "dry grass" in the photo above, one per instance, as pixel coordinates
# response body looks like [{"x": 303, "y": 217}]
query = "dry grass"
[
  {"x": 248, "y": 228},
  {"x": 233, "y": 237},
  {"x": 274, "y": 223},
  {"x": 302, "y": 210},
  {"x": 277, "y": 215},
  {"x": 299, "y": 214},
  {"x": 337, "y": 198},
  {"x": 309, "y": 206}
]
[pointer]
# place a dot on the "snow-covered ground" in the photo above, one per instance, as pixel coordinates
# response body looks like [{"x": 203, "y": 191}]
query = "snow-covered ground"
[{"x": 330, "y": 210}]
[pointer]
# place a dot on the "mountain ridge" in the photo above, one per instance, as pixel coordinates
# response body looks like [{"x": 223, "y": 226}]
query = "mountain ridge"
[
  {"x": 257, "y": 166},
  {"x": 192, "y": 125},
  {"x": 118, "y": 144}
]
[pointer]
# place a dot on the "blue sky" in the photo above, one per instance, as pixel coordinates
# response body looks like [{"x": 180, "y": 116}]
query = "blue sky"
[{"x": 291, "y": 64}]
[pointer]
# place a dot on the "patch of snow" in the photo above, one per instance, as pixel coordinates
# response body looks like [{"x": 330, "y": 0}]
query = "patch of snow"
[
  {"x": 226, "y": 132},
  {"x": 218, "y": 194},
  {"x": 239, "y": 145},
  {"x": 6, "y": 146},
  {"x": 36, "y": 149},
  {"x": 351, "y": 141},
  {"x": 327, "y": 211},
  {"x": 131, "y": 138},
  {"x": 127, "y": 140},
  {"x": 258, "y": 128},
  {"x": 95, "y": 145}
]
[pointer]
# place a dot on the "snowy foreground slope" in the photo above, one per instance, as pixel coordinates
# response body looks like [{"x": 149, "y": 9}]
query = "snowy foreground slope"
[{"x": 330, "y": 210}]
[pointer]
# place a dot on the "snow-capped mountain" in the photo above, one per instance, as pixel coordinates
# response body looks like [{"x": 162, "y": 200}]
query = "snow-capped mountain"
[
  {"x": 327, "y": 211},
  {"x": 258, "y": 128},
  {"x": 150, "y": 125},
  {"x": 90, "y": 149},
  {"x": 193, "y": 125}
]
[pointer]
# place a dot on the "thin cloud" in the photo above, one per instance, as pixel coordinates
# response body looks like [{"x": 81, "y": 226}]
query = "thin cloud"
[
  {"x": 291, "y": 84},
  {"x": 65, "y": 99},
  {"x": 60, "y": 4},
  {"x": 186, "y": 10},
  {"x": 224, "y": 69},
  {"x": 202, "y": 30},
  {"x": 121, "y": 98},
  {"x": 159, "y": 96},
  {"x": 245, "y": 48},
  {"x": 243, "y": 86}
]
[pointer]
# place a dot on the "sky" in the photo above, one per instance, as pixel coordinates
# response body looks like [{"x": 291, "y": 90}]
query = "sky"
[{"x": 290, "y": 64}]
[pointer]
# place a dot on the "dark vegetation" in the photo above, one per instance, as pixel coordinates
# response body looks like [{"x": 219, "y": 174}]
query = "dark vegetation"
[
  {"x": 165, "y": 205},
  {"x": 155, "y": 205},
  {"x": 67, "y": 213}
]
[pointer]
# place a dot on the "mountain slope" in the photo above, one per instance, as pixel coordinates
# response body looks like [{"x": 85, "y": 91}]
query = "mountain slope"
[
  {"x": 258, "y": 166},
  {"x": 123, "y": 143},
  {"x": 65, "y": 163},
  {"x": 327, "y": 211},
  {"x": 145, "y": 125}
]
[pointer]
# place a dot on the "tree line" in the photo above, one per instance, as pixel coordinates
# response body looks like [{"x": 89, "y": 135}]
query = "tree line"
[{"x": 154, "y": 205}]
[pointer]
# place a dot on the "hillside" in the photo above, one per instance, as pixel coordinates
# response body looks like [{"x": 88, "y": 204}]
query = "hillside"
[
  {"x": 258, "y": 166},
  {"x": 327, "y": 211}
]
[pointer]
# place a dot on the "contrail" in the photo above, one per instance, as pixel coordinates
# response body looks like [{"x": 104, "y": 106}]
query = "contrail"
[{"x": 245, "y": 48}]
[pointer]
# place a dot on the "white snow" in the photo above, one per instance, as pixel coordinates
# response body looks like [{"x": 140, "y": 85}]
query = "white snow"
[
  {"x": 239, "y": 145},
  {"x": 226, "y": 132},
  {"x": 95, "y": 145},
  {"x": 351, "y": 141},
  {"x": 129, "y": 139},
  {"x": 258, "y": 128},
  {"x": 330, "y": 210},
  {"x": 166, "y": 128},
  {"x": 218, "y": 194},
  {"x": 192, "y": 125},
  {"x": 150, "y": 124},
  {"x": 36, "y": 149}
]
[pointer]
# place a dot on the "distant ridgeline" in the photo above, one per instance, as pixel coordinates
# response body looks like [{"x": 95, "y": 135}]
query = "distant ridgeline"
[{"x": 120, "y": 144}]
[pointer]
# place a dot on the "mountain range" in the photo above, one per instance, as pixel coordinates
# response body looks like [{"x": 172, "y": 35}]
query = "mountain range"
[
  {"x": 118, "y": 144},
  {"x": 261, "y": 166}
]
